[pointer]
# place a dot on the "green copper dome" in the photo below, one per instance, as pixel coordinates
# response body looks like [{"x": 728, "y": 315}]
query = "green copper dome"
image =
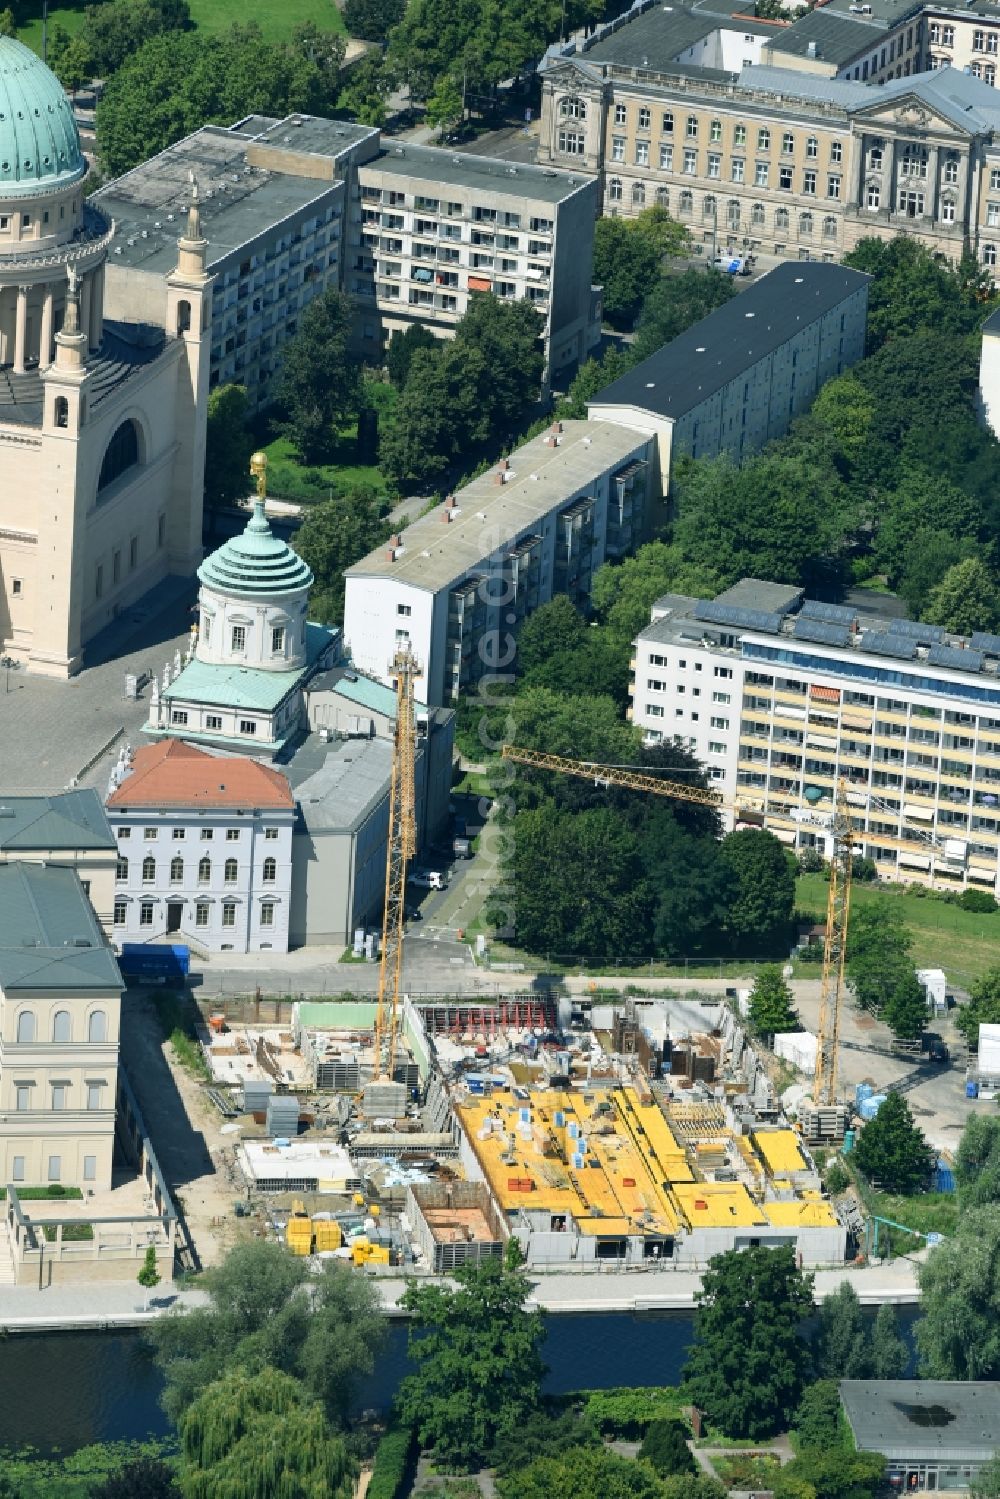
[
  {"x": 39, "y": 141},
  {"x": 257, "y": 564}
]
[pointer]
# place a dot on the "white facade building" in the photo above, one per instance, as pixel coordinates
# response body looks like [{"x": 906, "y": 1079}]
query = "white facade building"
[
  {"x": 461, "y": 578},
  {"x": 204, "y": 850},
  {"x": 781, "y": 697}
]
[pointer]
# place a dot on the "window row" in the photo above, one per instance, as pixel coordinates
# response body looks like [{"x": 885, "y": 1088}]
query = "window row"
[
  {"x": 734, "y": 210},
  {"x": 230, "y": 873},
  {"x": 739, "y": 170},
  {"x": 763, "y": 136},
  {"x": 62, "y": 1027},
  {"x": 59, "y": 1094},
  {"x": 202, "y": 913},
  {"x": 133, "y": 559},
  {"x": 179, "y": 834}
]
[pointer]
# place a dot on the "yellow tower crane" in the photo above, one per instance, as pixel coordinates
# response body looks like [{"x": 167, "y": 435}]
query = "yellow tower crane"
[
  {"x": 838, "y": 906},
  {"x": 401, "y": 845}
]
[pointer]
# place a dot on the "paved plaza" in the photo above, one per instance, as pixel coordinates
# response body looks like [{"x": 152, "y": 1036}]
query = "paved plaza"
[{"x": 51, "y": 731}]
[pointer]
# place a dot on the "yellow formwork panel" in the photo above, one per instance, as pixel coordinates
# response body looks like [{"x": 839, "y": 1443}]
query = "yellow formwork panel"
[
  {"x": 805, "y": 1213},
  {"x": 779, "y": 1150},
  {"x": 718, "y": 1205}
]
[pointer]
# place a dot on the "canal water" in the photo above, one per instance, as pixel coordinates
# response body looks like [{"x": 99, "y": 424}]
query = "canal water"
[{"x": 61, "y": 1391}]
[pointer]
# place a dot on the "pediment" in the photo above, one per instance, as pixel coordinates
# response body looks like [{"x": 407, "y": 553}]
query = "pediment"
[
  {"x": 910, "y": 116},
  {"x": 573, "y": 73}
]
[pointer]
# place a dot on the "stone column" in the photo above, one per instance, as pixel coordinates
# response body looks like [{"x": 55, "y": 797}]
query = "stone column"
[
  {"x": 45, "y": 339},
  {"x": 20, "y": 329},
  {"x": 889, "y": 174},
  {"x": 962, "y": 192},
  {"x": 933, "y": 183},
  {"x": 97, "y": 311},
  {"x": 857, "y": 188},
  {"x": 86, "y": 298}
]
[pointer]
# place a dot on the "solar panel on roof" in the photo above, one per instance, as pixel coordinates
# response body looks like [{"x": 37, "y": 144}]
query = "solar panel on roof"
[
  {"x": 915, "y": 629},
  {"x": 890, "y": 644},
  {"x": 982, "y": 641},
  {"x": 821, "y": 631},
  {"x": 732, "y": 614},
  {"x": 836, "y": 614},
  {"x": 955, "y": 656}
]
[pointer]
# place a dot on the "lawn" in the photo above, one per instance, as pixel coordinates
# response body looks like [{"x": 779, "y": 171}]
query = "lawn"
[
  {"x": 276, "y": 20},
  {"x": 288, "y": 478},
  {"x": 944, "y": 936}
]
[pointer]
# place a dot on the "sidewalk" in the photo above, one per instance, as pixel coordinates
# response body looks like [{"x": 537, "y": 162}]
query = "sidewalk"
[{"x": 115, "y": 1304}]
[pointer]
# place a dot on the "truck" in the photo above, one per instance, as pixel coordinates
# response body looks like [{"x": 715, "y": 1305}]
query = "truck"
[
  {"x": 155, "y": 963},
  {"x": 461, "y": 848},
  {"x": 426, "y": 879}
]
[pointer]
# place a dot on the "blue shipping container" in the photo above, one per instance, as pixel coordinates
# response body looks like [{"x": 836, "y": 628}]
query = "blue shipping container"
[
  {"x": 138, "y": 960},
  {"x": 944, "y": 1178}
]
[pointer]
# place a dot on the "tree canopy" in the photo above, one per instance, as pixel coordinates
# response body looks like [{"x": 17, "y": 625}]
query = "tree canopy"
[
  {"x": 373, "y": 19},
  {"x": 583, "y": 1473},
  {"x": 748, "y": 1365},
  {"x": 320, "y": 378},
  {"x": 983, "y": 1007},
  {"x": 958, "y": 1334},
  {"x": 892, "y": 1151},
  {"x": 335, "y": 534},
  {"x": 771, "y": 1008},
  {"x": 228, "y": 446}
]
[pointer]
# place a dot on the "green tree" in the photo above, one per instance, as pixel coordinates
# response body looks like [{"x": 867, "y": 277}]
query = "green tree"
[
  {"x": 771, "y": 1009},
  {"x": 674, "y": 303},
  {"x": 977, "y": 1161},
  {"x": 843, "y": 411},
  {"x": 261, "y": 1313},
  {"x": 141, "y": 1477},
  {"x": 986, "y": 1484},
  {"x": 373, "y": 19},
  {"x": 921, "y": 501},
  {"x": 905, "y": 1008},
  {"x": 507, "y": 337},
  {"x": 69, "y": 57},
  {"x": 841, "y": 1347},
  {"x": 623, "y": 592},
  {"x": 403, "y": 344},
  {"x": 366, "y": 86},
  {"x": 593, "y": 377},
  {"x": 545, "y": 1433},
  {"x": 334, "y": 535},
  {"x": 478, "y": 1366},
  {"x": 838, "y": 1474},
  {"x": 228, "y": 445},
  {"x": 445, "y": 104},
  {"x": 8, "y": 26},
  {"x": 925, "y": 559},
  {"x": 983, "y": 1007},
  {"x": 583, "y": 1473},
  {"x": 892, "y": 1151},
  {"x": 818, "y": 1421},
  {"x": 253, "y": 1434},
  {"x": 555, "y": 629},
  {"x": 759, "y": 917},
  {"x": 692, "y": 1486},
  {"x": 965, "y": 599},
  {"x": 437, "y": 418},
  {"x": 626, "y": 263},
  {"x": 912, "y": 291},
  {"x": 665, "y": 1448},
  {"x": 748, "y": 1364},
  {"x": 958, "y": 1333},
  {"x": 890, "y": 1355},
  {"x": 149, "y": 1276},
  {"x": 320, "y": 382}
]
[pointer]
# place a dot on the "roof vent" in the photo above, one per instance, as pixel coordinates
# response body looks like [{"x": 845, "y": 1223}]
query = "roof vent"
[
  {"x": 7, "y": 812},
  {"x": 700, "y": 349},
  {"x": 82, "y": 942},
  {"x": 650, "y": 384}
]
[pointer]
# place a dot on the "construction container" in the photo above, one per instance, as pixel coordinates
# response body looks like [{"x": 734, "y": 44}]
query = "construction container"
[
  {"x": 871, "y": 1106},
  {"x": 849, "y": 1138},
  {"x": 971, "y": 1089},
  {"x": 385, "y": 1100},
  {"x": 256, "y": 1093},
  {"x": 327, "y": 1234},
  {"x": 299, "y": 1231},
  {"x": 282, "y": 1116},
  {"x": 861, "y": 1092},
  {"x": 943, "y": 1179}
]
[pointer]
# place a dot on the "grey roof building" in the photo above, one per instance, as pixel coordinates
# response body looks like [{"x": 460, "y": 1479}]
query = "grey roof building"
[
  {"x": 934, "y": 1433},
  {"x": 70, "y": 829},
  {"x": 50, "y": 940}
]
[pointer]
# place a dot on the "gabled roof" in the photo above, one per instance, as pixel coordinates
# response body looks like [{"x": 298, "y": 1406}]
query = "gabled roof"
[
  {"x": 49, "y": 935},
  {"x": 175, "y": 774},
  {"x": 67, "y": 820}
]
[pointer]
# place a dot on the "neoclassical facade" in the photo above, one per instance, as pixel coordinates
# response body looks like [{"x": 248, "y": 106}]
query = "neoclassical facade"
[
  {"x": 102, "y": 421},
  {"x": 777, "y": 158}
]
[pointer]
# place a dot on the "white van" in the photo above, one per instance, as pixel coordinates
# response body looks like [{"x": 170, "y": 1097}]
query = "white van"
[{"x": 427, "y": 879}]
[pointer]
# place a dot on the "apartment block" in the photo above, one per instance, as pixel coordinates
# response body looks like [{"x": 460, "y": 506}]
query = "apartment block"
[
  {"x": 781, "y": 696},
  {"x": 60, "y": 1000},
  {"x": 790, "y": 150},
  {"x": 434, "y": 228},
  {"x": 459, "y": 581},
  {"x": 737, "y": 379}
]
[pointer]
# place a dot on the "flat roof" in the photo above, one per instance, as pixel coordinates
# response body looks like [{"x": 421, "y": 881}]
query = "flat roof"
[
  {"x": 68, "y": 820},
  {"x": 315, "y": 1162},
  {"x": 718, "y": 1205},
  {"x": 924, "y": 1420},
  {"x": 447, "y": 170},
  {"x": 337, "y": 785},
  {"x": 355, "y": 687},
  {"x": 435, "y": 555},
  {"x": 750, "y": 327},
  {"x": 50, "y": 939}
]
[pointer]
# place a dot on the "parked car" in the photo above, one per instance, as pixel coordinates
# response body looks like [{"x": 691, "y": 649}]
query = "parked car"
[{"x": 427, "y": 879}]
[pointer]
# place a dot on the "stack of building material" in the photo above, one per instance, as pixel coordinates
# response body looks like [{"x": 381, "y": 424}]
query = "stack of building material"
[
  {"x": 256, "y": 1094},
  {"x": 282, "y": 1116},
  {"x": 384, "y": 1100}
]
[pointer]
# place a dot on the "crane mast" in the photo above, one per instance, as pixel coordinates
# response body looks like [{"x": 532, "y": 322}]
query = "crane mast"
[
  {"x": 400, "y": 849},
  {"x": 838, "y": 911}
]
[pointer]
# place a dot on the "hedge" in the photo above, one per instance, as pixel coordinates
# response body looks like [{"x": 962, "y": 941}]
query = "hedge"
[
  {"x": 394, "y": 1462},
  {"x": 626, "y": 1413}
]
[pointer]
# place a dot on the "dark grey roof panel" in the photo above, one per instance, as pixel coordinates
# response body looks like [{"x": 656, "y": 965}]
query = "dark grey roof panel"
[
  {"x": 983, "y": 641},
  {"x": 50, "y": 939},
  {"x": 917, "y": 1420},
  {"x": 68, "y": 820},
  {"x": 833, "y": 613},
  {"x": 888, "y": 643},
  {"x": 916, "y": 629},
  {"x": 731, "y": 614},
  {"x": 956, "y": 657},
  {"x": 821, "y": 631}
]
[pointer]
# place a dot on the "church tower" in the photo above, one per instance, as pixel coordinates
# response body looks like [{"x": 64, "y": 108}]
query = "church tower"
[{"x": 189, "y": 313}]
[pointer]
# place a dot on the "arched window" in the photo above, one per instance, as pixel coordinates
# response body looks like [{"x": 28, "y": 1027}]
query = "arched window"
[
  {"x": 687, "y": 201},
  {"x": 62, "y": 411},
  {"x": 781, "y": 218},
  {"x": 204, "y": 870},
  {"x": 230, "y": 874},
  {"x": 62, "y": 1028},
  {"x": 183, "y": 316},
  {"x": 830, "y": 227},
  {"x": 805, "y": 225},
  {"x": 663, "y": 197},
  {"x": 757, "y": 215},
  {"x": 176, "y": 870},
  {"x": 121, "y": 454},
  {"x": 121, "y": 871},
  {"x": 148, "y": 869},
  {"x": 270, "y": 871},
  {"x": 638, "y": 195},
  {"x": 26, "y": 1026},
  {"x": 615, "y": 190},
  {"x": 97, "y": 1026},
  {"x": 573, "y": 108}
]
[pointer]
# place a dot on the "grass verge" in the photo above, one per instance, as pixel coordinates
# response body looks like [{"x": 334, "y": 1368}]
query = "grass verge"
[
  {"x": 275, "y": 21},
  {"x": 178, "y": 1021}
]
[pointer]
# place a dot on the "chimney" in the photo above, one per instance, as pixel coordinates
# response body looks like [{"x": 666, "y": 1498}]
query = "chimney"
[
  {"x": 450, "y": 502},
  {"x": 392, "y": 547},
  {"x": 554, "y": 435}
]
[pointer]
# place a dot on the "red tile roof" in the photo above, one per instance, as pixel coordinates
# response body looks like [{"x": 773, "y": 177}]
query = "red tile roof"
[{"x": 175, "y": 774}]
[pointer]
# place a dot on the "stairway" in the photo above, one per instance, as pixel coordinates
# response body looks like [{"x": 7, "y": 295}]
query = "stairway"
[{"x": 8, "y": 1273}]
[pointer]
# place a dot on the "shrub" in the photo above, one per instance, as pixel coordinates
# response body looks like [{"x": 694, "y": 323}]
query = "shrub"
[
  {"x": 980, "y": 901},
  {"x": 626, "y": 1413},
  {"x": 665, "y": 1446},
  {"x": 837, "y": 1179},
  {"x": 394, "y": 1461}
]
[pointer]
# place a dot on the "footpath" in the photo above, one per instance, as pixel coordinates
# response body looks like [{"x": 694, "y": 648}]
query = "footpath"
[{"x": 88, "y": 1307}]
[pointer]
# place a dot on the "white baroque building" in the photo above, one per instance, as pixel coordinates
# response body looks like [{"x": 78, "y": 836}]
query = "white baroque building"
[
  {"x": 204, "y": 850},
  {"x": 102, "y": 420}
]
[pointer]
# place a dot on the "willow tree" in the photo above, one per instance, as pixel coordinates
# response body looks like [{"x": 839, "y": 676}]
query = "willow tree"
[{"x": 253, "y": 1434}]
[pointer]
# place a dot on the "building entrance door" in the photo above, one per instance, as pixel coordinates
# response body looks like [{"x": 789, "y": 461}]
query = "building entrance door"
[{"x": 175, "y": 910}]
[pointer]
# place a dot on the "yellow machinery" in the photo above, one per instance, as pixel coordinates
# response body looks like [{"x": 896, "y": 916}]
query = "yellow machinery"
[
  {"x": 838, "y": 903},
  {"x": 364, "y": 1252},
  {"x": 401, "y": 845},
  {"x": 299, "y": 1232},
  {"x": 327, "y": 1234}
]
